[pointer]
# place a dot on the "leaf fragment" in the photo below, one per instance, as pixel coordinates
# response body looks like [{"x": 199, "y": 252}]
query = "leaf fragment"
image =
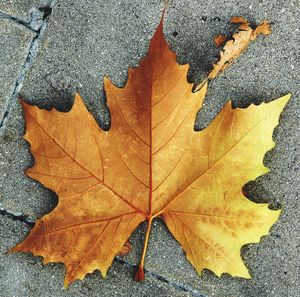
[
  {"x": 238, "y": 44},
  {"x": 234, "y": 46}
]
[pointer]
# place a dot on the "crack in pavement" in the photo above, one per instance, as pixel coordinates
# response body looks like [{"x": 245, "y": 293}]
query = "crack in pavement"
[
  {"x": 24, "y": 23},
  {"x": 17, "y": 217},
  {"x": 45, "y": 11}
]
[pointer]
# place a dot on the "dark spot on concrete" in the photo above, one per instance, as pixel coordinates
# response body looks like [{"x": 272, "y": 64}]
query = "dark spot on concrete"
[
  {"x": 217, "y": 19},
  {"x": 7, "y": 138},
  {"x": 276, "y": 206},
  {"x": 46, "y": 10}
]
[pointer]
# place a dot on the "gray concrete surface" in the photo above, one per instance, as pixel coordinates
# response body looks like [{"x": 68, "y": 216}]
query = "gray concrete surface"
[
  {"x": 21, "y": 9},
  {"x": 14, "y": 44},
  {"x": 84, "y": 40}
]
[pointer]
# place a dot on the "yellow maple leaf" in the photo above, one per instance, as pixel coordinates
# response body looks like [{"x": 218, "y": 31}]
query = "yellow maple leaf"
[{"x": 151, "y": 164}]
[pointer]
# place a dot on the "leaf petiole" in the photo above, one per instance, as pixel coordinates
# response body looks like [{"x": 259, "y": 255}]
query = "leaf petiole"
[{"x": 140, "y": 274}]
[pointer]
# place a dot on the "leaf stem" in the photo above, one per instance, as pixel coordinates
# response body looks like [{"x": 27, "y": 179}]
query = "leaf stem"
[{"x": 140, "y": 274}]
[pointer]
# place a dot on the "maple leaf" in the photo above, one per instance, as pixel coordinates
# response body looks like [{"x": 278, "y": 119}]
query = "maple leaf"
[{"x": 151, "y": 164}]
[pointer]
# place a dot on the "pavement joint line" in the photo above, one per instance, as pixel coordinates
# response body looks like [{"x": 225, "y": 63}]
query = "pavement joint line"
[
  {"x": 17, "y": 217},
  {"x": 161, "y": 278},
  {"x": 31, "y": 54},
  {"x": 6, "y": 16}
]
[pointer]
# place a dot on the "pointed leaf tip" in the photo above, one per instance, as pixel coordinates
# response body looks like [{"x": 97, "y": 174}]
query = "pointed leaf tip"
[{"x": 285, "y": 99}]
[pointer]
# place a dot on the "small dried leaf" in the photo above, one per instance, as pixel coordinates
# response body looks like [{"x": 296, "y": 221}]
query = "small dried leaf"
[{"x": 238, "y": 44}]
